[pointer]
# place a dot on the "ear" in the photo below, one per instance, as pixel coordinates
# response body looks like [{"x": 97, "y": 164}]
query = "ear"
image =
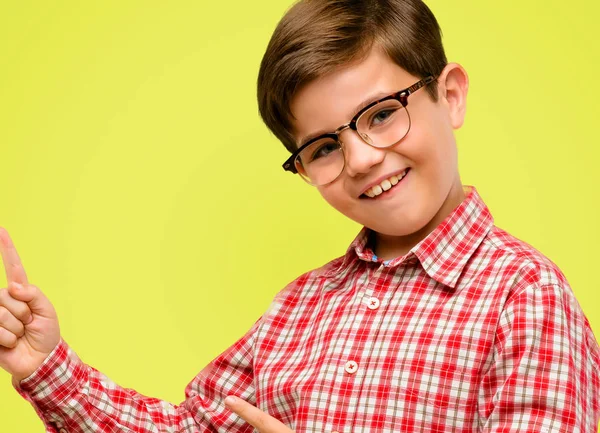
[{"x": 453, "y": 86}]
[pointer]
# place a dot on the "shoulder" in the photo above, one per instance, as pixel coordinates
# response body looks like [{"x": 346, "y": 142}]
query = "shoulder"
[
  {"x": 528, "y": 266},
  {"x": 540, "y": 291},
  {"x": 515, "y": 272},
  {"x": 304, "y": 288},
  {"x": 540, "y": 285}
]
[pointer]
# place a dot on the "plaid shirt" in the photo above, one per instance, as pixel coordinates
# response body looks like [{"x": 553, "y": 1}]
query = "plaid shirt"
[{"x": 472, "y": 330}]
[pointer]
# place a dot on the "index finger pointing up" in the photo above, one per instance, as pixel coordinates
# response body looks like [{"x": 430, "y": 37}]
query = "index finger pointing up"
[{"x": 15, "y": 272}]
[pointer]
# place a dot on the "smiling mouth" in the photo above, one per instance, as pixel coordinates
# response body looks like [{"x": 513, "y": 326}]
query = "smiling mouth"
[{"x": 385, "y": 186}]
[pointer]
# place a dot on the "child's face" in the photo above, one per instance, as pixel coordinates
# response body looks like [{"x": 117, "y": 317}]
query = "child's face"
[{"x": 431, "y": 189}]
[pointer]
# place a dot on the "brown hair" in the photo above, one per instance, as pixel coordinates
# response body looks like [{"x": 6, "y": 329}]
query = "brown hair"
[{"x": 317, "y": 36}]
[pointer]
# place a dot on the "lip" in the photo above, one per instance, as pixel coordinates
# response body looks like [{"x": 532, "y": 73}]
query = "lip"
[{"x": 381, "y": 179}]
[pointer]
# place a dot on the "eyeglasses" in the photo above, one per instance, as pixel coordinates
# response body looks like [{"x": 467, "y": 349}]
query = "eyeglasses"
[{"x": 380, "y": 124}]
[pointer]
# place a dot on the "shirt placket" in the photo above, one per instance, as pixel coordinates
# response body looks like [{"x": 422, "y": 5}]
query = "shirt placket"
[{"x": 372, "y": 303}]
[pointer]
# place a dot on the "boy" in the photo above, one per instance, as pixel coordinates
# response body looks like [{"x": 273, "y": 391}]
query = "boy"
[{"x": 434, "y": 319}]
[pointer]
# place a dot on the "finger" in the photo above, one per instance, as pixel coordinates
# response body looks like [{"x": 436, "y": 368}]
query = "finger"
[
  {"x": 261, "y": 421},
  {"x": 13, "y": 267},
  {"x": 11, "y": 323},
  {"x": 7, "y": 339},
  {"x": 19, "y": 309},
  {"x": 37, "y": 302}
]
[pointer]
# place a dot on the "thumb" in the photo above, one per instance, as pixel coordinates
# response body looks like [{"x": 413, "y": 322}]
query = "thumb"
[{"x": 38, "y": 302}]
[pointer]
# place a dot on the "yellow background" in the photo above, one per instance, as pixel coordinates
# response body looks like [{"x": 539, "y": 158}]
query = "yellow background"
[{"x": 146, "y": 197}]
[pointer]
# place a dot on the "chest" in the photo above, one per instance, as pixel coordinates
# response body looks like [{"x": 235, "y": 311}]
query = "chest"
[{"x": 375, "y": 354}]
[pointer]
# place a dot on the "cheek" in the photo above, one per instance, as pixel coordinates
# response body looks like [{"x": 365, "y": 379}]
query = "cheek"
[
  {"x": 434, "y": 146},
  {"x": 335, "y": 195}
]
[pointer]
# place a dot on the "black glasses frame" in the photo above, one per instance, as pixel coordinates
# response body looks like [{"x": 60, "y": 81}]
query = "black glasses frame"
[{"x": 401, "y": 96}]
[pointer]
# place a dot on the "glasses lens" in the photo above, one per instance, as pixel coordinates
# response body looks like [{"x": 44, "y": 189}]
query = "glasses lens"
[
  {"x": 384, "y": 124},
  {"x": 320, "y": 162}
]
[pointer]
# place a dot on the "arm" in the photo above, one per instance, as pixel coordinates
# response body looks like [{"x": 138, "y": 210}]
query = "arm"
[
  {"x": 544, "y": 373},
  {"x": 66, "y": 393}
]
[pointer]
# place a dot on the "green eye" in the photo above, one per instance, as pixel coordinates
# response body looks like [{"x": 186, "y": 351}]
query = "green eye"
[
  {"x": 382, "y": 116},
  {"x": 325, "y": 149}
]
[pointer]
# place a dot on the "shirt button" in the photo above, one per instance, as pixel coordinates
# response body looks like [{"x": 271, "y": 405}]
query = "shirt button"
[
  {"x": 62, "y": 430},
  {"x": 351, "y": 367},
  {"x": 373, "y": 303}
]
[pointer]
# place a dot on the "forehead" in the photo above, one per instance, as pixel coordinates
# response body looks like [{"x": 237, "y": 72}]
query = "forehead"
[{"x": 332, "y": 100}]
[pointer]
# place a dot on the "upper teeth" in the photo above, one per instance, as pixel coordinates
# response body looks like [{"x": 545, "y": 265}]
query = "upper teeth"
[{"x": 385, "y": 185}]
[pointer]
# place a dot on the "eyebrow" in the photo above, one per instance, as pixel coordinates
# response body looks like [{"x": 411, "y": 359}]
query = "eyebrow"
[{"x": 363, "y": 104}]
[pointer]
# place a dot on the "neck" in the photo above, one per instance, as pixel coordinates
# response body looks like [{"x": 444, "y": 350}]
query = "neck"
[{"x": 388, "y": 247}]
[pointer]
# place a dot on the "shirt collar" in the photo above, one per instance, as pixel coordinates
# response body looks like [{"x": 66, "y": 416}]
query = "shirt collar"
[{"x": 445, "y": 251}]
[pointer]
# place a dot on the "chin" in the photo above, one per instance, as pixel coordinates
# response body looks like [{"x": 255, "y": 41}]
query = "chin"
[
  {"x": 397, "y": 230},
  {"x": 405, "y": 225}
]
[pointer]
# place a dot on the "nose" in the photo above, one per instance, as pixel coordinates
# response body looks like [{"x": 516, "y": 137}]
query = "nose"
[{"x": 360, "y": 156}]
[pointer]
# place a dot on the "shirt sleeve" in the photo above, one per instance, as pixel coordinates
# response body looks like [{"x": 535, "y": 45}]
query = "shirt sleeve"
[
  {"x": 70, "y": 396},
  {"x": 544, "y": 374}
]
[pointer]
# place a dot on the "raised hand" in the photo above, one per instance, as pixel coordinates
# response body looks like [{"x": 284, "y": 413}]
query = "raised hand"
[
  {"x": 261, "y": 421},
  {"x": 29, "y": 328}
]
